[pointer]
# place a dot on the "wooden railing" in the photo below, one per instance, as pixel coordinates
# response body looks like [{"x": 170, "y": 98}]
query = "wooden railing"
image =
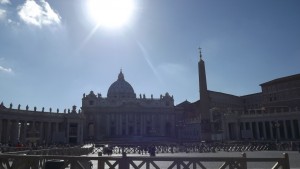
[{"x": 15, "y": 161}]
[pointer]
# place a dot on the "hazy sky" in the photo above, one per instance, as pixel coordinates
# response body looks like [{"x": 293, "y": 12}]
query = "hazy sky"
[{"x": 51, "y": 52}]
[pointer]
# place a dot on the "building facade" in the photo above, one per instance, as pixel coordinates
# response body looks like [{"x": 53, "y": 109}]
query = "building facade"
[
  {"x": 273, "y": 114},
  {"x": 40, "y": 127},
  {"x": 121, "y": 116}
]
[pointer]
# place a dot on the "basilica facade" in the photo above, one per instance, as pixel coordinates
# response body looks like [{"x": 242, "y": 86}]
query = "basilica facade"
[{"x": 122, "y": 116}]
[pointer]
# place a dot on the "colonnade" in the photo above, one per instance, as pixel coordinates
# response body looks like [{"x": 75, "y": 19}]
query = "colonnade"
[
  {"x": 41, "y": 128},
  {"x": 285, "y": 129},
  {"x": 24, "y": 131},
  {"x": 264, "y": 129}
]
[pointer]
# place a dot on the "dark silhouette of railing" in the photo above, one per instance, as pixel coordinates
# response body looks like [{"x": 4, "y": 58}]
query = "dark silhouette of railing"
[
  {"x": 17, "y": 161},
  {"x": 71, "y": 151}
]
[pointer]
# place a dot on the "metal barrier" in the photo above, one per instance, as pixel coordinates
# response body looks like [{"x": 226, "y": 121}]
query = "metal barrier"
[{"x": 10, "y": 161}]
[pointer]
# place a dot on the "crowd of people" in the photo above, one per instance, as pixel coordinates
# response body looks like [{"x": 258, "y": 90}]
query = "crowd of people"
[
  {"x": 198, "y": 147},
  {"x": 153, "y": 148}
]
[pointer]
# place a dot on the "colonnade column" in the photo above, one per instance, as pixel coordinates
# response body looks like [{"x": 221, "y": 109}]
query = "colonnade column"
[
  {"x": 14, "y": 131},
  {"x": 285, "y": 129},
  {"x": 271, "y": 129},
  {"x": 80, "y": 126},
  {"x": 278, "y": 134},
  {"x": 47, "y": 132},
  {"x": 7, "y": 138},
  {"x": 238, "y": 130},
  {"x": 67, "y": 131},
  {"x": 22, "y": 133},
  {"x": 241, "y": 128},
  {"x": 298, "y": 134},
  {"x": 56, "y": 125},
  {"x": 40, "y": 130},
  {"x": 264, "y": 129},
  {"x": 292, "y": 128},
  {"x": 257, "y": 130},
  {"x": 226, "y": 133},
  {"x": 251, "y": 129}
]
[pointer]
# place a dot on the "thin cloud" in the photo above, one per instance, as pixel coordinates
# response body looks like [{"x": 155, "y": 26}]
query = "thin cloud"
[
  {"x": 2, "y": 14},
  {"x": 38, "y": 14},
  {"x": 4, "y": 2},
  {"x": 7, "y": 70}
]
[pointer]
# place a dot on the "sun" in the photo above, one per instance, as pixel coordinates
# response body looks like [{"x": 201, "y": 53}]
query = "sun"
[{"x": 111, "y": 13}]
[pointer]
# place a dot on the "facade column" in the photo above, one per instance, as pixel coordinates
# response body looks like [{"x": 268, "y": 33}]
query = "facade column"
[
  {"x": 46, "y": 132},
  {"x": 278, "y": 134},
  {"x": 53, "y": 131},
  {"x": 78, "y": 133},
  {"x": 68, "y": 131},
  {"x": 226, "y": 131},
  {"x": 134, "y": 124},
  {"x": 56, "y": 125},
  {"x": 238, "y": 130},
  {"x": 257, "y": 130},
  {"x": 285, "y": 129},
  {"x": 271, "y": 129},
  {"x": 8, "y": 129},
  {"x": 127, "y": 123},
  {"x": 292, "y": 129},
  {"x": 23, "y": 132},
  {"x": 242, "y": 129},
  {"x": 162, "y": 127},
  {"x": 251, "y": 129},
  {"x": 173, "y": 126},
  {"x": 121, "y": 124},
  {"x": 142, "y": 124},
  {"x": 118, "y": 122},
  {"x": 49, "y": 133},
  {"x": 4, "y": 131},
  {"x": 48, "y": 136},
  {"x": 81, "y": 132},
  {"x": 40, "y": 130},
  {"x": 14, "y": 132},
  {"x": 264, "y": 129},
  {"x": 298, "y": 127}
]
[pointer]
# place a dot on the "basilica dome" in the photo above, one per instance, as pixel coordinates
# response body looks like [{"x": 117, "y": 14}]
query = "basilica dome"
[{"x": 120, "y": 88}]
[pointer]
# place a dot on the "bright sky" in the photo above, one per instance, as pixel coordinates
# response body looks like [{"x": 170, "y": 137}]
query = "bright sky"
[{"x": 51, "y": 52}]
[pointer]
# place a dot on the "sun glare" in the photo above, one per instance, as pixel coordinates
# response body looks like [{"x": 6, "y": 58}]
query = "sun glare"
[{"x": 111, "y": 13}]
